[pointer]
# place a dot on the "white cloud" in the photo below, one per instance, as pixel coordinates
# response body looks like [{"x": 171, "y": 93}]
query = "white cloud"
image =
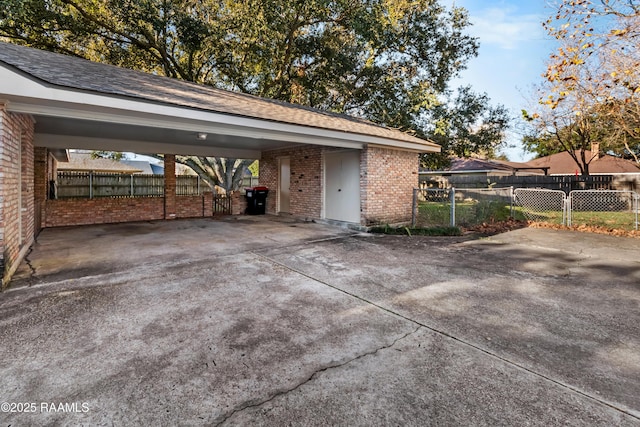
[{"x": 505, "y": 28}]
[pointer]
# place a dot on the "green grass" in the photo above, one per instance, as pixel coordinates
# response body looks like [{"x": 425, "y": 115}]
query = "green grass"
[
  {"x": 435, "y": 213},
  {"x": 470, "y": 213},
  {"x": 615, "y": 220}
]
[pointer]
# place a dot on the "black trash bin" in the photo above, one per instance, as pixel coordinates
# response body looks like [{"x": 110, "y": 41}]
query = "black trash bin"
[{"x": 256, "y": 200}]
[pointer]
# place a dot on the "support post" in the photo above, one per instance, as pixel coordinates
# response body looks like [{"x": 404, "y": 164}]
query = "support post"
[
  {"x": 452, "y": 200},
  {"x": 169, "y": 186}
]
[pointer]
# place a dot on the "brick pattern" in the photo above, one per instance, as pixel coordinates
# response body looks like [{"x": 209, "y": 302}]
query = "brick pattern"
[
  {"x": 16, "y": 159},
  {"x": 238, "y": 203},
  {"x": 306, "y": 179},
  {"x": 387, "y": 180},
  {"x": 170, "y": 186},
  {"x": 66, "y": 212},
  {"x": 43, "y": 164},
  {"x": 190, "y": 206}
]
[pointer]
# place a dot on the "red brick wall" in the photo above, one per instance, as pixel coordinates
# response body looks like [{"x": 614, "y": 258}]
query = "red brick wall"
[
  {"x": 170, "y": 186},
  {"x": 16, "y": 157},
  {"x": 63, "y": 212},
  {"x": 306, "y": 179},
  {"x": 387, "y": 180},
  {"x": 190, "y": 206}
]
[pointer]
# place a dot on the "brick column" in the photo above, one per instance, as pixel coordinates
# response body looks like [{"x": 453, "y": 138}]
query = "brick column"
[
  {"x": 238, "y": 203},
  {"x": 41, "y": 185},
  {"x": 207, "y": 204},
  {"x": 169, "y": 186}
]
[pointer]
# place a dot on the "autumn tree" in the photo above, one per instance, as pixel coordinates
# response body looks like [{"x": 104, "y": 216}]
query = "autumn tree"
[{"x": 591, "y": 89}]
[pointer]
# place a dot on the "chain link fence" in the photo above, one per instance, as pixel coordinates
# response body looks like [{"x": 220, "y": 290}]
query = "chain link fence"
[
  {"x": 603, "y": 208},
  {"x": 460, "y": 207},
  {"x": 467, "y": 207},
  {"x": 541, "y": 205}
]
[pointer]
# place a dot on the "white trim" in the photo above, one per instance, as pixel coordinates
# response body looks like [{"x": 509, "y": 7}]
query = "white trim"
[
  {"x": 31, "y": 97},
  {"x": 63, "y": 141}
]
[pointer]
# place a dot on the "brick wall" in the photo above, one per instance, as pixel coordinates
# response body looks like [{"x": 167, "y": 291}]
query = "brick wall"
[
  {"x": 191, "y": 206},
  {"x": 306, "y": 179},
  {"x": 63, "y": 212},
  {"x": 387, "y": 180},
  {"x": 16, "y": 189}
]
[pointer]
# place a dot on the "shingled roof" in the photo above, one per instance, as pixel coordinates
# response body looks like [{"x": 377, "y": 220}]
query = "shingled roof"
[
  {"x": 84, "y": 162},
  {"x": 82, "y": 75},
  {"x": 563, "y": 164}
]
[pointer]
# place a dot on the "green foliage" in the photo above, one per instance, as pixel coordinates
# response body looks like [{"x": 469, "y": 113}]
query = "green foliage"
[
  {"x": 417, "y": 231},
  {"x": 385, "y": 61},
  {"x": 113, "y": 155},
  {"x": 255, "y": 168},
  {"x": 464, "y": 125},
  {"x": 381, "y": 60}
]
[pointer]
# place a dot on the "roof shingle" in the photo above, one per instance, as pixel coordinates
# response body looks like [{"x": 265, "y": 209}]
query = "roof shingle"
[{"x": 79, "y": 74}]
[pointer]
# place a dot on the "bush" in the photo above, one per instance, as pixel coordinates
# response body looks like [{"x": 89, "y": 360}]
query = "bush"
[{"x": 417, "y": 231}]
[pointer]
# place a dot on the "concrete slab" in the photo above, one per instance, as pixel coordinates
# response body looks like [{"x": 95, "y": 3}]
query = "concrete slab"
[{"x": 275, "y": 322}]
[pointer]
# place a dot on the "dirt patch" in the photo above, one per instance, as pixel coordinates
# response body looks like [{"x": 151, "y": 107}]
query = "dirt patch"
[
  {"x": 588, "y": 229},
  {"x": 493, "y": 228}
]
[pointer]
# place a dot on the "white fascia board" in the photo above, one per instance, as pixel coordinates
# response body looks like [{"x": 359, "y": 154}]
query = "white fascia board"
[
  {"x": 31, "y": 97},
  {"x": 64, "y": 141}
]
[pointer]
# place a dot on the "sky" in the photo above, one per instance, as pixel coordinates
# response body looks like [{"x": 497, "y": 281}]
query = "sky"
[{"x": 513, "y": 52}]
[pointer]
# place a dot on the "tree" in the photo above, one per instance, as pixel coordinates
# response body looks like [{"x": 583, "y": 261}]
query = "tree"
[
  {"x": 591, "y": 90},
  {"x": 388, "y": 61},
  {"x": 464, "y": 125},
  {"x": 216, "y": 171}
]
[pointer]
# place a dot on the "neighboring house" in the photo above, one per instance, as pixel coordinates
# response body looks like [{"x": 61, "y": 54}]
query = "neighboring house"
[
  {"x": 145, "y": 167},
  {"x": 563, "y": 164},
  {"x": 318, "y": 165},
  {"x": 485, "y": 168},
  {"x": 83, "y": 162}
]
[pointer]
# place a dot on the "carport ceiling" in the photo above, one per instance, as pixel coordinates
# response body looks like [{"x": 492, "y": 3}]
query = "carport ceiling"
[{"x": 55, "y": 132}]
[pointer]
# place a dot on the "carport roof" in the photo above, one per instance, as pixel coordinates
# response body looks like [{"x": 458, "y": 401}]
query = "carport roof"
[{"x": 71, "y": 73}]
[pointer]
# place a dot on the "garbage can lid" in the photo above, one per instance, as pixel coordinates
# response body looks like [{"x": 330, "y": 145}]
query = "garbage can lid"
[{"x": 260, "y": 188}]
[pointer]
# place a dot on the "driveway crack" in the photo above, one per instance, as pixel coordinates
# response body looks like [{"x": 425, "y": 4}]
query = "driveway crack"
[{"x": 254, "y": 403}]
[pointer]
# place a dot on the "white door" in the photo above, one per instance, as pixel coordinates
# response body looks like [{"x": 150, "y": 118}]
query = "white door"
[
  {"x": 342, "y": 186},
  {"x": 284, "y": 200}
]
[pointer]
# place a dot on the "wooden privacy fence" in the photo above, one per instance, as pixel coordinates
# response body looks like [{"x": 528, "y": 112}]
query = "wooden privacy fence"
[
  {"x": 564, "y": 183},
  {"x": 93, "y": 185}
]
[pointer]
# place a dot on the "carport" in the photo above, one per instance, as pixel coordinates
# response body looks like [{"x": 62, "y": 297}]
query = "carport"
[{"x": 335, "y": 165}]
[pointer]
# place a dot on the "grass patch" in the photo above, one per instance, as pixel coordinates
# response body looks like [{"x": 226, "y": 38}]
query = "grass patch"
[
  {"x": 417, "y": 231},
  {"x": 467, "y": 212}
]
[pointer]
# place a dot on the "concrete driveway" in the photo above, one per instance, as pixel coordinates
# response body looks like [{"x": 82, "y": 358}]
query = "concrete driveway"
[{"x": 268, "y": 321}]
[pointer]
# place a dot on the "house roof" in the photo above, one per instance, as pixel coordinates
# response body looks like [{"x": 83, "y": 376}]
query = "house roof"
[
  {"x": 474, "y": 165},
  {"x": 71, "y": 73},
  {"x": 143, "y": 165},
  {"x": 82, "y": 162},
  {"x": 563, "y": 164}
]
